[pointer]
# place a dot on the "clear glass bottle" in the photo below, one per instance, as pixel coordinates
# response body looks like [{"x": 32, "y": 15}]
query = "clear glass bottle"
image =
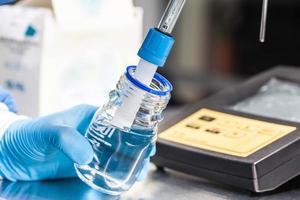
[{"x": 120, "y": 154}]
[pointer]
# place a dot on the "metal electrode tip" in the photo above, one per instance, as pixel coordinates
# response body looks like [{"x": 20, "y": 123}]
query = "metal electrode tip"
[
  {"x": 171, "y": 15},
  {"x": 263, "y": 21}
]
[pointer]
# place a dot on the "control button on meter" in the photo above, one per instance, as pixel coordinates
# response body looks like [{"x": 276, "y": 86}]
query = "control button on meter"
[
  {"x": 193, "y": 126},
  {"x": 213, "y": 130},
  {"x": 207, "y": 118}
]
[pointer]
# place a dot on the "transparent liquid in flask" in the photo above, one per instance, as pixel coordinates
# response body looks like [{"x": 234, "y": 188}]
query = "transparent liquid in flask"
[
  {"x": 121, "y": 154},
  {"x": 118, "y": 157}
]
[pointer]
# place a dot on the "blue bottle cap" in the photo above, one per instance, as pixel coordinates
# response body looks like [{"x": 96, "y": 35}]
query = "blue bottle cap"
[{"x": 156, "y": 47}]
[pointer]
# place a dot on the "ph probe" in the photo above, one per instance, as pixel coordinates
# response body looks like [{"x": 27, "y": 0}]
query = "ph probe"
[
  {"x": 153, "y": 53},
  {"x": 263, "y": 24}
]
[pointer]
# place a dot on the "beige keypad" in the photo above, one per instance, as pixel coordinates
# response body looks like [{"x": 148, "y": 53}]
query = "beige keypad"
[{"x": 225, "y": 133}]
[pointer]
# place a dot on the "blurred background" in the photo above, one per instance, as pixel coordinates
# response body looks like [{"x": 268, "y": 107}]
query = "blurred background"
[{"x": 218, "y": 43}]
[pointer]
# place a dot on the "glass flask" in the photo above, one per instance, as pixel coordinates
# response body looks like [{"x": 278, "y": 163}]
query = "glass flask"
[{"x": 121, "y": 153}]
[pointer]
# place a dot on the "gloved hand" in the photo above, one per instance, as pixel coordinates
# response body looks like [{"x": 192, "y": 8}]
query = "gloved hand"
[
  {"x": 46, "y": 148},
  {"x": 6, "y": 98}
]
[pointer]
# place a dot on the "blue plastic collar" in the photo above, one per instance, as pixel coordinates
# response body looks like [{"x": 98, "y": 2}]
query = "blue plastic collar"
[
  {"x": 3, "y": 2},
  {"x": 156, "y": 47},
  {"x": 159, "y": 78}
]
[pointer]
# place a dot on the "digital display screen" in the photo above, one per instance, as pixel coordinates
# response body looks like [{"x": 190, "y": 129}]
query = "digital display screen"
[{"x": 276, "y": 99}]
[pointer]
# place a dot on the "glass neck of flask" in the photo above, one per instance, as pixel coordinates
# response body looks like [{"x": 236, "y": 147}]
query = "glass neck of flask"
[{"x": 153, "y": 99}]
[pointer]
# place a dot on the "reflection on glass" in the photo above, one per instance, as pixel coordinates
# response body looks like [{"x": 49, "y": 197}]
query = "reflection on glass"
[
  {"x": 276, "y": 99},
  {"x": 58, "y": 189}
]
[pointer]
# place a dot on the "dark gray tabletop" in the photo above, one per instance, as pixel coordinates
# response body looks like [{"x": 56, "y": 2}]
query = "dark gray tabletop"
[{"x": 169, "y": 185}]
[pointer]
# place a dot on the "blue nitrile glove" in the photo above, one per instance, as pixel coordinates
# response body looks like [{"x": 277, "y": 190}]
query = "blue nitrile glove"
[
  {"x": 3, "y": 2},
  {"x": 46, "y": 148},
  {"x": 6, "y": 98}
]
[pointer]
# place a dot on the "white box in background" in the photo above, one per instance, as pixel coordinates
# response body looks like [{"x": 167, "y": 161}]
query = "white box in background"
[
  {"x": 64, "y": 62},
  {"x": 21, "y": 44}
]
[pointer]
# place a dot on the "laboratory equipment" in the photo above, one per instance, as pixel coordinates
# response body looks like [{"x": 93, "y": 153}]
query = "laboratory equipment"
[
  {"x": 246, "y": 136},
  {"x": 123, "y": 133},
  {"x": 153, "y": 53},
  {"x": 263, "y": 21},
  {"x": 120, "y": 155}
]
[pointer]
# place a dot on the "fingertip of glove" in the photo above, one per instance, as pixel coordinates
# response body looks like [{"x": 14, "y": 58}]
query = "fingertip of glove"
[
  {"x": 74, "y": 145},
  {"x": 87, "y": 156}
]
